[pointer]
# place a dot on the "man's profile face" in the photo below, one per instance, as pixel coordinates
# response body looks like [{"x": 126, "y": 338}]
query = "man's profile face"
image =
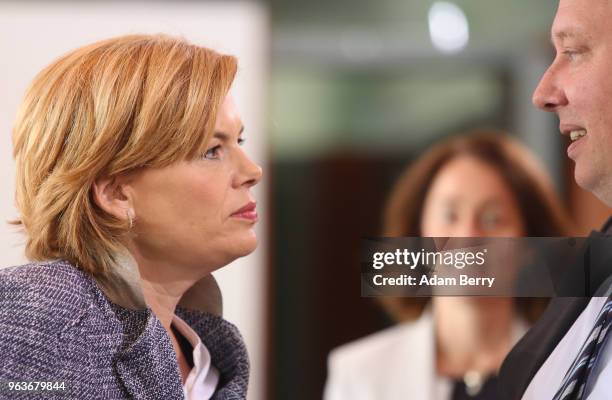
[{"x": 578, "y": 88}]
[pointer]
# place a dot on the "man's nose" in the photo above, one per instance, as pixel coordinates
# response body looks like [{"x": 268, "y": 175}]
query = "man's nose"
[{"x": 549, "y": 94}]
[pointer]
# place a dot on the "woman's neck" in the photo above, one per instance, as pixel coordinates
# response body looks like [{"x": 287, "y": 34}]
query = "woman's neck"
[
  {"x": 472, "y": 334},
  {"x": 162, "y": 285}
]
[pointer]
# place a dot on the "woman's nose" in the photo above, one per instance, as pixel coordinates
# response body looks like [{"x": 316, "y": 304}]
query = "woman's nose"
[
  {"x": 250, "y": 172},
  {"x": 467, "y": 229}
]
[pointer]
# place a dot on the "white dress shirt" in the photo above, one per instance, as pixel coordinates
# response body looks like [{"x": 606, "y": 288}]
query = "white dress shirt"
[
  {"x": 203, "y": 377},
  {"x": 548, "y": 379}
]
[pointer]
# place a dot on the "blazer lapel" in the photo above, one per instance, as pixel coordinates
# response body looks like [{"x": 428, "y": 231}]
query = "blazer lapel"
[
  {"x": 408, "y": 361},
  {"x": 146, "y": 363}
]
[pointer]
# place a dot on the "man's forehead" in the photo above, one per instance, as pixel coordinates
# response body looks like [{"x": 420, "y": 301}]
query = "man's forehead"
[
  {"x": 582, "y": 5},
  {"x": 579, "y": 19}
]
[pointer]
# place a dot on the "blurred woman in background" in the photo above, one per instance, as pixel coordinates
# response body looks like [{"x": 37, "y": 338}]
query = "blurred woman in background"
[{"x": 482, "y": 184}]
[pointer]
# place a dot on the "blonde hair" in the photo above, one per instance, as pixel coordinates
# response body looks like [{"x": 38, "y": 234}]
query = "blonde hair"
[{"x": 101, "y": 110}]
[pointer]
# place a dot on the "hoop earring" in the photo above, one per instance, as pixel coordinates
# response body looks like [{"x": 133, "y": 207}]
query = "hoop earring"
[{"x": 129, "y": 215}]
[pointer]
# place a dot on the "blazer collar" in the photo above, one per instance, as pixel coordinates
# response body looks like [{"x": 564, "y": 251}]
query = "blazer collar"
[
  {"x": 122, "y": 287},
  {"x": 607, "y": 228}
]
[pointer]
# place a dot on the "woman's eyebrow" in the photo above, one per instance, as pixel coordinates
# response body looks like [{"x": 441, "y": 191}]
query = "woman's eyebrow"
[{"x": 224, "y": 136}]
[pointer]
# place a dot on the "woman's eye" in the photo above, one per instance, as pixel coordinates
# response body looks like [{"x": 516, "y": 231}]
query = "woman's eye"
[
  {"x": 490, "y": 220},
  {"x": 215, "y": 152},
  {"x": 212, "y": 153}
]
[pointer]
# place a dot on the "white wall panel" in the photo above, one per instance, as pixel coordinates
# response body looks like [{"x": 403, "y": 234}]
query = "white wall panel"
[{"x": 32, "y": 34}]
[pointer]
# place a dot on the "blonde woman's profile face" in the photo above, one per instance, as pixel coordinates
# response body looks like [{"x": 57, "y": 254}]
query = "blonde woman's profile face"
[
  {"x": 199, "y": 213},
  {"x": 469, "y": 198}
]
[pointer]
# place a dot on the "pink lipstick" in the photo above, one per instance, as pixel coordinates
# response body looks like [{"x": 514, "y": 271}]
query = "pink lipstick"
[{"x": 247, "y": 212}]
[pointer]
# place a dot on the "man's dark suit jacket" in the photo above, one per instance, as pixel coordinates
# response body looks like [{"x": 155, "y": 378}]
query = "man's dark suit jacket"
[{"x": 528, "y": 355}]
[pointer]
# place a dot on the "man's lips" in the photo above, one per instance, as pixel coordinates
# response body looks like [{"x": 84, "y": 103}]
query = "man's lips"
[
  {"x": 574, "y": 133},
  {"x": 567, "y": 129}
]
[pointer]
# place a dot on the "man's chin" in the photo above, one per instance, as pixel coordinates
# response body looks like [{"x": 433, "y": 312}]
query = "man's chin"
[
  {"x": 601, "y": 188},
  {"x": 584, "y": 177}
]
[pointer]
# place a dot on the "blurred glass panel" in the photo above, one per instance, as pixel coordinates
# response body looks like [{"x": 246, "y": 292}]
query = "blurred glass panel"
[{"x": 315, "y": 111}]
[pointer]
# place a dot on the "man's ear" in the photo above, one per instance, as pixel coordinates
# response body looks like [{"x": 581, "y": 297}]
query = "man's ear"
[{"x": 110, "y": 195}]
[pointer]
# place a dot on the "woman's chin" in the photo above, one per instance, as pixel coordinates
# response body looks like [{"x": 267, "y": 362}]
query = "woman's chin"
[{"x": 246, "y": 244}]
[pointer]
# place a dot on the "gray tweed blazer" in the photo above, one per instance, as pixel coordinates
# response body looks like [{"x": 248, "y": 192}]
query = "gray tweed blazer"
[{"x": 97, "y": 336}]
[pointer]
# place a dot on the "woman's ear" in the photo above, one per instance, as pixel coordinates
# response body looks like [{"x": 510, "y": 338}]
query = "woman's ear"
[{"x": 110, "y": 195}]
